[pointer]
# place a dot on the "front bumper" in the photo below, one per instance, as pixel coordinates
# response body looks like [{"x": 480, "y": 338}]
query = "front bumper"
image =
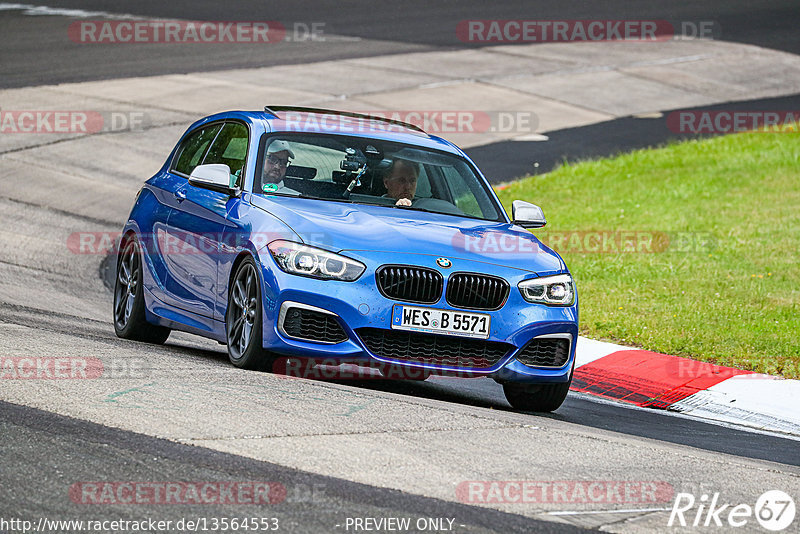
[{"x": 360, "y": 305}]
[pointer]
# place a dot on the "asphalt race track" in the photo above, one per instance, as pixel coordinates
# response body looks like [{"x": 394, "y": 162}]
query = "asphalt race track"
[
  {"x": 337, "y": 450},
  {"x": 80, "y": 450},
  {"x": 418, "y": 25}
]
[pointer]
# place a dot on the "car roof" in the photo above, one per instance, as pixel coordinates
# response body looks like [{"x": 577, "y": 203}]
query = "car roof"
[{"x": 291, "y": 119}]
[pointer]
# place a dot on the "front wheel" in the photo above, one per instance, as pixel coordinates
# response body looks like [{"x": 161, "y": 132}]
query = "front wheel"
[
  {"x": 243, "y": 320},
  {"x": 129, "y": 313},
  {"x": 536, "y": 397}
]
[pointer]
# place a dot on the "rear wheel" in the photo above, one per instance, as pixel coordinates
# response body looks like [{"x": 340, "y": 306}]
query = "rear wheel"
[
  {"x": 536, "y": 397},
  {"x": 243, "y": 320},
  {"x": 129, "y": 313}
]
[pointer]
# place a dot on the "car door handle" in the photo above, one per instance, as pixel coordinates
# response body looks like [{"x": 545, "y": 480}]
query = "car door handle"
[{"x": 180, "y": 195}]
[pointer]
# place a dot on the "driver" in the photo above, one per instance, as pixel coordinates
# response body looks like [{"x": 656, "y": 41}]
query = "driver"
[
  {"x": 278, "y": 157},
  {"x": 401, "y": 181}
]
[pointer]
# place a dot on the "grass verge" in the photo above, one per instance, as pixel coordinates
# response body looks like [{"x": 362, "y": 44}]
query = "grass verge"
[{"x": 720, "y": 281}]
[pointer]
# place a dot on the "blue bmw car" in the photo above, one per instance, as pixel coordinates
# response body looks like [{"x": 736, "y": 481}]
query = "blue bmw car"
[{"x": 309, "y": 235}]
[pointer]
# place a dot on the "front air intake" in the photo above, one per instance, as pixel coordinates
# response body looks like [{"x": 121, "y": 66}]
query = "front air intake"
[
  {"x": 311, "y": 325},
  {"x": 545, "y": 352}
]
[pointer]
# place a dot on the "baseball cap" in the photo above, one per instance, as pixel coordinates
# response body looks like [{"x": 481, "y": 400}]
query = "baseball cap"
[{"x": 279, "y": 145}]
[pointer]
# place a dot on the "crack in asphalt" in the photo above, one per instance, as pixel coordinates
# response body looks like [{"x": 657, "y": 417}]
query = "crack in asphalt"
[
  {"x": 59, "y": 211},
  {"x": 84, "y": 136},
  {"x": 96, "y": 330},
  {"x": 37, "y": 269},
  {"x": 358, "y": 433}
]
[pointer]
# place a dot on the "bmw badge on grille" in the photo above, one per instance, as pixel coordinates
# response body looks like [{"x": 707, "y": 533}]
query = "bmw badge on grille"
[{"x": 444, "y": 263}]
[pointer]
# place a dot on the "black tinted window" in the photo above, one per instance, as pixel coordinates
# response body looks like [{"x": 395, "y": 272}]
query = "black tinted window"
[{"x": 191, "y": 151}]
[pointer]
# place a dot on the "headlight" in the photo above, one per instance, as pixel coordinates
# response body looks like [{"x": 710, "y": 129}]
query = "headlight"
[
  {"x": 295, "y": 258},
  {"x": 558, "y": 290}
]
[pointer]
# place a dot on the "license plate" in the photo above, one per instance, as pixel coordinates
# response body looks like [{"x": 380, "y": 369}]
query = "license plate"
[{"x": 434, "y": 321}]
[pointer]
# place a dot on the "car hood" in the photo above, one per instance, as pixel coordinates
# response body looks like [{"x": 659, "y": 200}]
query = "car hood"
[{"x": 343, "y": 226}]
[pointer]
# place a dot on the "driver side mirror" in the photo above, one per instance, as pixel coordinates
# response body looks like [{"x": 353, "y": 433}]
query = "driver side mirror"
[
  {"x": 214, "y": 176},
  {"x": 527, "y": 215}
]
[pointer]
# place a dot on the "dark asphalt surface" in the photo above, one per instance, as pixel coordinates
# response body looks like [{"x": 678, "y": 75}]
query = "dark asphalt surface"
[
  {"x": 767, "y": 23},
  {"x": 63, "y": 452},
  {"x": 37, "y": 50},
  {"x": 507, "y": 160}
]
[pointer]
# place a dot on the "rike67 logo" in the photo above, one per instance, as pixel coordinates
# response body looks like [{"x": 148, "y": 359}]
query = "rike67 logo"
[{"x": 774, "y": 510}]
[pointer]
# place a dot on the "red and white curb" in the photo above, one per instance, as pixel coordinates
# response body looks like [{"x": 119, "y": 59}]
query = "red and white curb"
[{"x": 653, "y": 380}]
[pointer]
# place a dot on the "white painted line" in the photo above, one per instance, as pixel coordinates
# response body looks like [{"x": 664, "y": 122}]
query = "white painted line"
[
  {"x": 671, "y": 60},
  {"x": 32, "y": 10},
  {"x": 651, "y": 115},
  {"x": 630, "y": 511},
  {"x": 531, "y": 137}
]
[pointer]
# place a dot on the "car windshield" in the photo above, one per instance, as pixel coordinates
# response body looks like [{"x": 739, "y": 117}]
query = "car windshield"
[{"x": 372, "y": 171}]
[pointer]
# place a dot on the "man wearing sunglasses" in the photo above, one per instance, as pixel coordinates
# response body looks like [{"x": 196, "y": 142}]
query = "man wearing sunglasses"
[{"x": 279, "y": 155}]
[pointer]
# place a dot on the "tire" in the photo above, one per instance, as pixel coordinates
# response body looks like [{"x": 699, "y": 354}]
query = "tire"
[
  {"x": 536, "y": 398},
  {"x": 243, "y": 320},
  {"x": 128, "y": 312}
]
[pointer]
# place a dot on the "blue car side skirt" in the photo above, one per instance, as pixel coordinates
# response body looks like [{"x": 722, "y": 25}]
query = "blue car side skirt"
[{"x": 157, "y": 312}]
